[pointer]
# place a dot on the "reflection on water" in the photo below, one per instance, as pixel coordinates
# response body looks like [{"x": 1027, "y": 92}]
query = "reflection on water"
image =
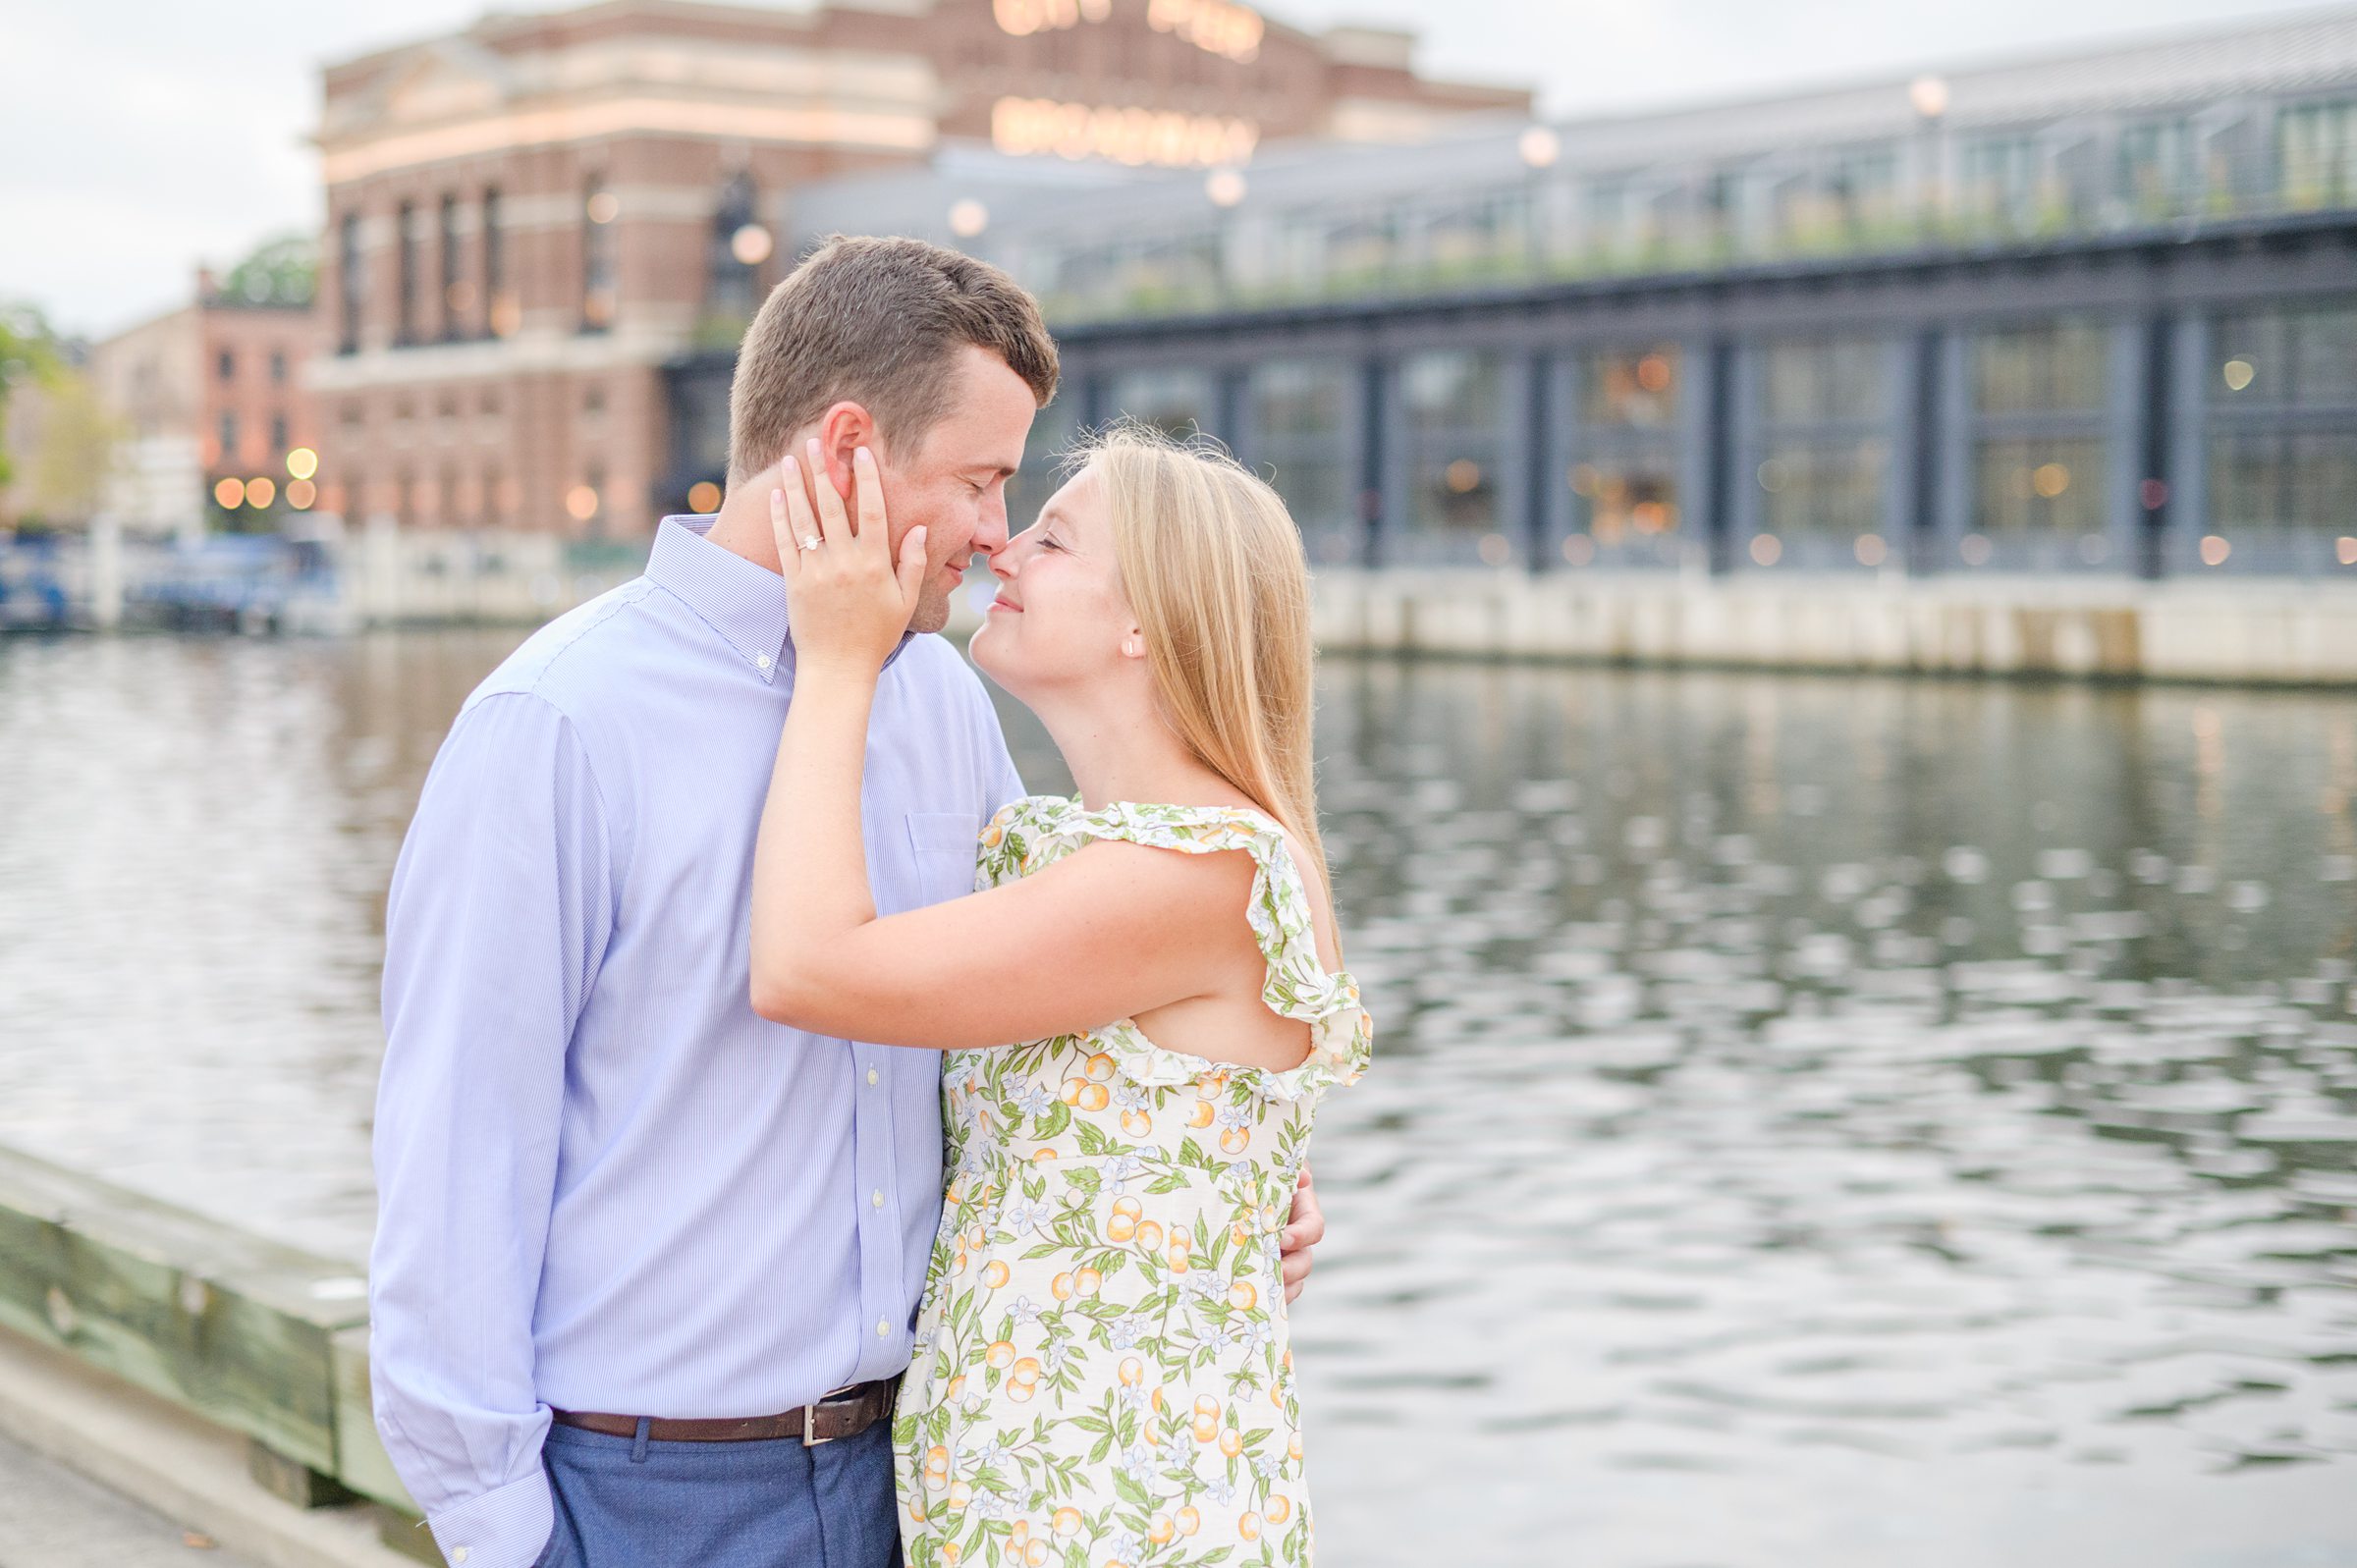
[{"x": 1826, "y": 1122}]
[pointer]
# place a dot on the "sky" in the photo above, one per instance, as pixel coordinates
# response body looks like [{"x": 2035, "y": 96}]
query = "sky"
[{"x": 138, "y": 137}]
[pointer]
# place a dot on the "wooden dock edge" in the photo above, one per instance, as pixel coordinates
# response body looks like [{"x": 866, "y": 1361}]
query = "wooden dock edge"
[{"x": 263, "y": 1341}]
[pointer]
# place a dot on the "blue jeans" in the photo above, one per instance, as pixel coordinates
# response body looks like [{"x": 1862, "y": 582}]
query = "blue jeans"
[{"x": 625, "y": 1503}]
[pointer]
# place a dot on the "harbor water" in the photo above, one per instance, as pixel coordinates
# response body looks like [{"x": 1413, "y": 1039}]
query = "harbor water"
[{"x": 1843, "y": 1121}]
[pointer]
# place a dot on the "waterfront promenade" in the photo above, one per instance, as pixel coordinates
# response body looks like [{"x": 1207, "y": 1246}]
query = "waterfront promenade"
[{"x": 2254, "y": 630}]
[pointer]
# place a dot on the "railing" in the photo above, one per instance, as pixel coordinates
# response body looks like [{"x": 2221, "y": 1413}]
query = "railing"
[{"x": 1495, "y": 238}]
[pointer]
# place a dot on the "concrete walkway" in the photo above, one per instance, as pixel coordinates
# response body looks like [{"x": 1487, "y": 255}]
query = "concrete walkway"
[
  {"x": 105, "y": 1442},
  {"x": 50, "y": 1517}
]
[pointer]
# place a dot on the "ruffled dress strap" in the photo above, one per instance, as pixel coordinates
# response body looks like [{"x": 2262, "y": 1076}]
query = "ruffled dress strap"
[{"x": 1032, "y": 833}]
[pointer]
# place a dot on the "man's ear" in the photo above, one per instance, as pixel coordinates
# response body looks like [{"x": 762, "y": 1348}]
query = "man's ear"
[{"x": 844, "y": 430}]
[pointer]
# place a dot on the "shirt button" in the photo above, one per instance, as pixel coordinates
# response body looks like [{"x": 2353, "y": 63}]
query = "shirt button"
[
  {"x": 459, "y": 1553},
  {"x": 762, "y": 660},
  {"x": 883, "y": 1327},
  {"x": 871, "y": 1075},
  {"x": 877, "y": 1197}
]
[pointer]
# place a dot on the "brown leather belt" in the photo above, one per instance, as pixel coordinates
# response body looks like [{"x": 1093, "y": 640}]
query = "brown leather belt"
[{"x": 844, "y": 1413}]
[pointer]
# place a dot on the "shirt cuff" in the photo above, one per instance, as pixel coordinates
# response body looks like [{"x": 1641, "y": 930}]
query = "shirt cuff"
[{"x": 508, "y": 1528}]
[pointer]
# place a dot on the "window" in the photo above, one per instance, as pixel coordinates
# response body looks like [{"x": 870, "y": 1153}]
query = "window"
[
  {"x": 225, "y": 365},
  {"x": 1999, "y": 178},
  {"x": 1301, "y": 438},
  {"x": 1453, "y": 403},
  {"x": 1177, "y": 401},
  {"x": 405, "y": 327},
  {"x": 278, "y": 367},
  {"x": 350, "y": 284},
  {"x": 2037, "y": 456},
  {"x": 229, "y": 438},
  {"x": 453, "y": 294},
  {"x": 2282, "y": 395},
  {"x": 1823, "y": 459},
  {"x": 2316, "y": 148},
  {"x": 1624, "y": 480},
  {"x": 1051, "y": 432},
  {"x": 599, "y": 210},
  {"x": 278, "y": 435},
  {"x": 2157, "y": 167},
  {"x": 501, "y": 315}
]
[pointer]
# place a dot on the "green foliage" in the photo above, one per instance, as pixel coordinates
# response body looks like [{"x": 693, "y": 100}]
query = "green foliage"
[
  {"x": 283, "y": 271},
  {"x": 27, "y": 353}
]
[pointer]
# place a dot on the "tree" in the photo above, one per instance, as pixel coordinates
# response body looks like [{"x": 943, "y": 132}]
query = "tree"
[
  {"x": 283, "y": 271},
  {"x": 72, "y": 450},
  {"x": 28, "y": 355}
]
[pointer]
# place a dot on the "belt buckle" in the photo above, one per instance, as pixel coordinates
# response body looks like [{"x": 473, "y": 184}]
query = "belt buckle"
[{"x": 810, "y": 1439}]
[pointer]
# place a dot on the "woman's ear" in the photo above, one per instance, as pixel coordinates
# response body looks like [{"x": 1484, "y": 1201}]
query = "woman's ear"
[{"x": 1133, "y": 645}]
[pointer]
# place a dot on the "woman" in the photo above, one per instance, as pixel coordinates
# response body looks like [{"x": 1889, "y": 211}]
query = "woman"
[{"x": 1101, "y": 1373}]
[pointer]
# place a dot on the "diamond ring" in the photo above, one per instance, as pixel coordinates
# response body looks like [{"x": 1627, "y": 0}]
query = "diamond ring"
[{"x": 811, "y": 543}]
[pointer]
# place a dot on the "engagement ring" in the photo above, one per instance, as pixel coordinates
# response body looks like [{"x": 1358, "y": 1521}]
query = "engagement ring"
[{"x": 811, "y": 543}]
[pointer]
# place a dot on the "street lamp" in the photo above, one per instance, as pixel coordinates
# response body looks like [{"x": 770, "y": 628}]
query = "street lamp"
[
  {"x": 1929, "y": 96},
  {"x": 1539, "y": 147}
]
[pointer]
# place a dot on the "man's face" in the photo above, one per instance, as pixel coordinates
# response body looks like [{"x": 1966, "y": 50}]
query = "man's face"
[{"x": 954, "y": 481}]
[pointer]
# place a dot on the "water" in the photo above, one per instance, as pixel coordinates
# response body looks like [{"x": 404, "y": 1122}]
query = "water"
[{"x": 1828, "y": 1121}]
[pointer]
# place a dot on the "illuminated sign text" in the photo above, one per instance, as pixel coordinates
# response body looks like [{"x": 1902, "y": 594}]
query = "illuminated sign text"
[{"x": 1133, "y": 136}]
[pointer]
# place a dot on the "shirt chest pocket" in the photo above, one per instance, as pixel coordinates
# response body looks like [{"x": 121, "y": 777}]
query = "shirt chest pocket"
[{"x": 942, "y": 850}]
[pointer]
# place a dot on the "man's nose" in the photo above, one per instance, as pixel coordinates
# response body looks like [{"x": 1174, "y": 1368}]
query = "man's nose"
[{"x": 990, "y": 530}]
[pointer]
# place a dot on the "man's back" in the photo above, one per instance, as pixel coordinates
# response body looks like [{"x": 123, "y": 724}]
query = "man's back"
[{"x": 608, "y": 1184}]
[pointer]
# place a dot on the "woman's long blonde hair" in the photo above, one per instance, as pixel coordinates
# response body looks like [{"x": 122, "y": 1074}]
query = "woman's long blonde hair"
[{"x": 1212, "y": 566}]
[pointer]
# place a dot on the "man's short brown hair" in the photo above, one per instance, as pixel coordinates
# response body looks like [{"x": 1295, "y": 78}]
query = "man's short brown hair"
[{"x": 877, "y": 322}]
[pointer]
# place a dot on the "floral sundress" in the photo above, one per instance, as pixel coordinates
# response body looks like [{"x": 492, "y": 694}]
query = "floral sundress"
[{"x": 1102, "y": 1374}]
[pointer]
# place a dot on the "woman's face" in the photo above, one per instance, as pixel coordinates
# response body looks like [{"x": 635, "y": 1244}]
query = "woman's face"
[{"x": 1060, "y": 618}]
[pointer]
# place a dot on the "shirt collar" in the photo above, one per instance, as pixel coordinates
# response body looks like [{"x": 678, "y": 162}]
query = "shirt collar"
[{"x": 745, "y": 603}]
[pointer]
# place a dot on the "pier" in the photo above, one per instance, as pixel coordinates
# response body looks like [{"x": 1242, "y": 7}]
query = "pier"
[{"x": 260, "y": 1342}]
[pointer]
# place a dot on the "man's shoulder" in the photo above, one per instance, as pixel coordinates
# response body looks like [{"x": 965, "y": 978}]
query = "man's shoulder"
[{"x": 575, "y": 656}]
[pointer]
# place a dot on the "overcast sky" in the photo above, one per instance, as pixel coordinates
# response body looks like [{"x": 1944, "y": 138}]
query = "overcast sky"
[{"x": 140, "y": 136}]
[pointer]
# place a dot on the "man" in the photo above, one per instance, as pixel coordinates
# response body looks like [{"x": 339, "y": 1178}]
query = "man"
[{"x": 646, "y": 1264}]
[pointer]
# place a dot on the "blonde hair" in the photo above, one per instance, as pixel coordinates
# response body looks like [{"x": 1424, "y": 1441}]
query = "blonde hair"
[{"x": 1212, "y": 566}]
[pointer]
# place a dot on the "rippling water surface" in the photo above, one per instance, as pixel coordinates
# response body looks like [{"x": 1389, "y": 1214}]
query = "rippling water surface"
[{"x": 1816, "y": 1122}]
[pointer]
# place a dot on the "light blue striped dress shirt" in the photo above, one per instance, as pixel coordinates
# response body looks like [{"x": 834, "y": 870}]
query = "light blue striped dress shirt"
[{"x": 605, "y": 1182}]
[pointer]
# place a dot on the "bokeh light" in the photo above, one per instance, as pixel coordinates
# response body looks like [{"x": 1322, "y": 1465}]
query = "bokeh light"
[
  {"x": 230, "y": 494},
  {"x": 2239, "y": 373},
  {"x": 1579, "y": 550},
  {"x": 1462, "y": 477},
  {"x": 1496, "y": 550},
  {"x": 604, "y": 207},
  {"x": 751, "y": 244},
  {"x": 1974, "y": 550},
  {"x": 2214, "y": 550},
  {"x": 581, "y": 503},
  {"x": 1767, "y": 548},
  {"x": 261, "y": 491},
  {"x": 703, "y": 496},
  {"x": 968, "y": 218},
  {"x": 301, "y": 494},
  {"x": 1225, "y": 187},
  {"x": 1540, "y": 147},
  {"x": 301, "y": 464},
  {"x": 1870, "y": 549}
]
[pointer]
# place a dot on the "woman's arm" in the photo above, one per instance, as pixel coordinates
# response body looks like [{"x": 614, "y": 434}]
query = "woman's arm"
[{"x": 1114, "y": 930}]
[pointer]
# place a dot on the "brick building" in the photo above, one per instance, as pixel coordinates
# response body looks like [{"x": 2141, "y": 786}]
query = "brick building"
[
  {"x": 210, "y": 398},
  {"x": 529, "y": 220}
]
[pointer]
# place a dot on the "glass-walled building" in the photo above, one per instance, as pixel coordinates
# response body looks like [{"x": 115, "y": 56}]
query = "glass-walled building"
[{"x": 2090, "y": 314}]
